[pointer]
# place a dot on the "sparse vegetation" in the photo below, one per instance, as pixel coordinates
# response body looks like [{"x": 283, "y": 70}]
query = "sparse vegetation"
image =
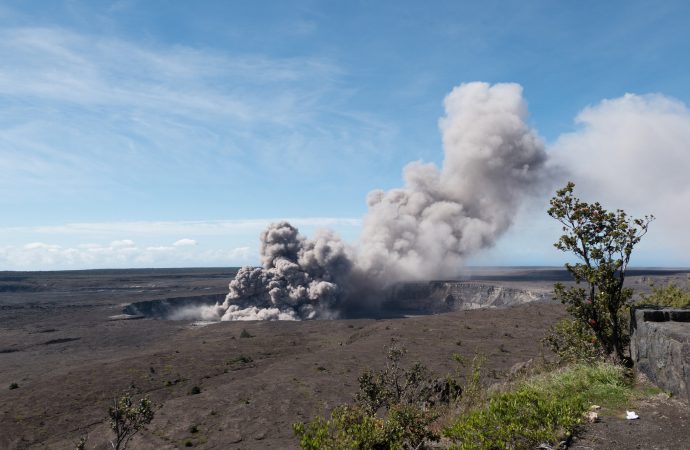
[
  {"x": 14, "y": 386},
  {"x": 81, "y": 443},
  {"x": 393, "y": 408},
  {"x": 246, "y": 334},
  {"x": 544, "y": 409},
  {"x": 127, "y": 418},
  {"x": 351, "y": 427},
  {"x": 473, "y": 391},
  {"x": 239, "y": 359},
  {"x": 195, "y": 390},
  {"x": 670, "y": 295},
  {"x": 603, "y": 241},
  {"x": 572, "y": 342}
]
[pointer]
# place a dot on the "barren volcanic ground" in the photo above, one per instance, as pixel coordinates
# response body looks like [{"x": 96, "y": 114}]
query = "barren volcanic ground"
[{"x": 62, "y": 342}]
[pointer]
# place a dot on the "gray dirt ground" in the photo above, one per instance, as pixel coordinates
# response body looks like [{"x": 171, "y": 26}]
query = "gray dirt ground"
[{"x": 69, "y": 359}]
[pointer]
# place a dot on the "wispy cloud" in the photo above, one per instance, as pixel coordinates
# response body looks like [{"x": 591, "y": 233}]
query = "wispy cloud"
[
  {"x": 176, "y": 228},
  {"x": 81, "y": 110},
  {"x": 60, "y": 65}
]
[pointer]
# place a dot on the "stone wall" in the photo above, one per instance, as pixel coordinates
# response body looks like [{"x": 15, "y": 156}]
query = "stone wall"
[{"x": 660, "y": 347}]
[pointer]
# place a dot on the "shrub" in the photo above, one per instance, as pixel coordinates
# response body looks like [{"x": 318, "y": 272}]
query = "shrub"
[
  {"x": 394, "y": 408},
  {"x": 14, "y": 386},
  {"x": 572, "y": 342},
  {"x": 670, "y": 295},
  {"x": 128, "y": 417},
  {"x": 352, "y": 427},
  {"x": 246, "y": 334},
  {"x": 473, "y": 391},
  {"x": 81, "y": 443},
  {"x": 541, "y": 410},
  {"x": 396, "y": 385},
  {"x": 349, "y": 427},
  {"x": 243, "y": 359},
  {"x": 195, "y": 390}
]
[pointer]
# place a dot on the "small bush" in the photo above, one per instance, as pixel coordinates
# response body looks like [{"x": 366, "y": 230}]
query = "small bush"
[
  {"x": 246, "y": 334},
  {"x": 670, "y": 295},
  {"x": 473, "y": 391},
  {"x": 239, "y": 359},
  {"x": 14, "y": 386},
  {"x": 394, "y": 409},
  {"x": 81, "y": 443},
  {"x": 572, "y": 341},
  {"x": 195, "y": 390},
  {"x": 128, "y": 417},
  {"x": 542, "y": 409},
  {"x": 397, "y": 385},
  {"x": 349, "y": 427}
]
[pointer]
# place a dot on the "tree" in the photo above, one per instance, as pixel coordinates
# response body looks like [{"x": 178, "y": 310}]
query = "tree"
[
  {"x": 603, "y": 241},
  {"x": 127, "y": 418}
]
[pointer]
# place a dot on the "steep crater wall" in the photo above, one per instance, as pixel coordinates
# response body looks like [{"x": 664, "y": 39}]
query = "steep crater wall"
[
  {"x": 444, "y": 296},
  {"x": 660, "y": 347},
  {"x": 164, "y": 308}
]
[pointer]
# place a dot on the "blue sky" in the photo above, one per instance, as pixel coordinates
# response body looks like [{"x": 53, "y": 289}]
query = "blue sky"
[{"x": 151, "y": 133}]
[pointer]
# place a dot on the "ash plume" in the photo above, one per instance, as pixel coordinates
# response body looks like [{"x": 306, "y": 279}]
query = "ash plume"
[
  {"x": 425, "y": 229},
  {"x": 300, "y": 278}
]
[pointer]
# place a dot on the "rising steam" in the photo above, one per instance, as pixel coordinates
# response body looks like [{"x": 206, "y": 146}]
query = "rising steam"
[{"x": 492, "y": 161}]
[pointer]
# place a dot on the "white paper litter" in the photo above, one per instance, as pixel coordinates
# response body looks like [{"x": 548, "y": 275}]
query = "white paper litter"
[{"x": 631, "y": 415}]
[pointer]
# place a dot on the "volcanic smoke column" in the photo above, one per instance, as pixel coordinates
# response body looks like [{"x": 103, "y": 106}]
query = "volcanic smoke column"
[{"x": 492, "y": 161}]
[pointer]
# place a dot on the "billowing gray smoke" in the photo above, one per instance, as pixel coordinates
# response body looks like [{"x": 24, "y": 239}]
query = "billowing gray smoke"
[
  {"x": 300, "y": 278},
  {"x": 492, "y": 160},
  {"x": 423, "y": 230}
]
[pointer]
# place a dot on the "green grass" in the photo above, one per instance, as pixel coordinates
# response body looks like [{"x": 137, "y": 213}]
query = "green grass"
[{"x": 541, "y": 409}]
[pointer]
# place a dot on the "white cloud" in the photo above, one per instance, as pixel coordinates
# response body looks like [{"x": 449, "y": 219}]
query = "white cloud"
[
  {"x": 124, "y": 243},
  {"x": 41, "y": 246},
  {"x": 144, "y": 244},
  {"x": 633, "y": 153},
  {"x": 118, "y": 254},
  {"x": 185, "y": 243},
  {"x": 242, "y": 253}
]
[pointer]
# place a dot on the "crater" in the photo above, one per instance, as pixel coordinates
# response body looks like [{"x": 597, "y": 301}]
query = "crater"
[
  {"x": 435, "y": 297},
  {"x": 418, "y": 298},
  {"x": 164, "y": 308}
]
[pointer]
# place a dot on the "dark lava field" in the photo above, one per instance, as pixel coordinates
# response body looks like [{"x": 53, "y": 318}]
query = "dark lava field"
[{"x": 67, "y": 344}]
